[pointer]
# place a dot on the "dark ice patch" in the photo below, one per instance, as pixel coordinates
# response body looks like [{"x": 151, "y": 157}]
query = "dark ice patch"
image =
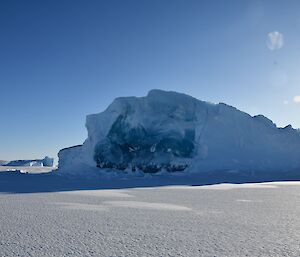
[{"x": 143, "y": 149}]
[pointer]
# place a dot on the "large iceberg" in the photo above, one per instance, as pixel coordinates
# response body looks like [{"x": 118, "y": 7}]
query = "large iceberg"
[{"x": 169, "y": 131}]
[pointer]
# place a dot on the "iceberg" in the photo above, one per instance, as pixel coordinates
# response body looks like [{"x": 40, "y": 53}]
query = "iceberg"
[
  {"x": 2, "y": 162},
  {"x": 174, "y": 132},
  {"x": 46, "y": 162}
]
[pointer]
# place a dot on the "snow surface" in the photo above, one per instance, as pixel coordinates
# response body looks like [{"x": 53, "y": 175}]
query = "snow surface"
[
  {"x": 175, "y": 132},
  {"x": 218, "y": 220}
]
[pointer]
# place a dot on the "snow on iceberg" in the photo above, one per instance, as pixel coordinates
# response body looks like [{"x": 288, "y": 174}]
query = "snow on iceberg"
[{"x": 174, "y": 132}]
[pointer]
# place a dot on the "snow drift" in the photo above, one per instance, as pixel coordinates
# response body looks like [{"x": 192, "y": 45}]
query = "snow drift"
[{"x": 176, "y": 132}]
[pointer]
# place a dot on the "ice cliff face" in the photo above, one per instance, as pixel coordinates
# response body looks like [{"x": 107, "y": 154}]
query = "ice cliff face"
[{"x": 175, "y": 132}]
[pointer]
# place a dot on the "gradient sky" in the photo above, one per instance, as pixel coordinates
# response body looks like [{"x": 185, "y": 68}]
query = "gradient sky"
[{"x": 61, "y": 60}]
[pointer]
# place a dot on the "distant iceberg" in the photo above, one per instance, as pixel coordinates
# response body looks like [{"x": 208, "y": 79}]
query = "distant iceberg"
[
  {"x": 46, "y": 162},
  {"x": 174, "y": 132},
  {"x": 2, "y": 162}
]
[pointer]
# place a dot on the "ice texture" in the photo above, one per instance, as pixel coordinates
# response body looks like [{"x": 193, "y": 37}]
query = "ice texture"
[{"x": 174, "y": 132}]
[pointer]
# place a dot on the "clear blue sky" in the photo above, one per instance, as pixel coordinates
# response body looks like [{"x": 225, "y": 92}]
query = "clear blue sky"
[{"x": 61, "y": 60}]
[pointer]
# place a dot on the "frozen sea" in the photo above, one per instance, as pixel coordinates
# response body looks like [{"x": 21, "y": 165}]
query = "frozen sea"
[{"x": 250, "y": 219}]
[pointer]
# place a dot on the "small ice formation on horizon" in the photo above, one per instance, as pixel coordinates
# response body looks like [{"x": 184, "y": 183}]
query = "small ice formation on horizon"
[
  {"x": 46, "y": 162},
  {"x": 275, "y": 40}
]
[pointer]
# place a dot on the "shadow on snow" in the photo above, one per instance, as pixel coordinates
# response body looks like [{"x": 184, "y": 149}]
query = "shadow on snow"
[{"x": 14, "y": 182}]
